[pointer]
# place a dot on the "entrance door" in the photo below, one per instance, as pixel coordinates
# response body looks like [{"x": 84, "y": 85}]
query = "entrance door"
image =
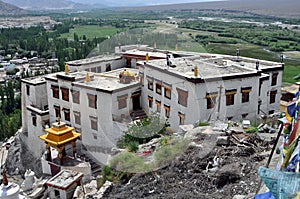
[{"x": 136, "y": 102}]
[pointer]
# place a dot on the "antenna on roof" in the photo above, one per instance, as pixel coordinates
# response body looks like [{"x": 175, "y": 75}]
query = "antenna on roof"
[
  {"x": 281, "y": 58},
  {"x": 238, "y": 53},
  {"x": 168, "y": 60}
]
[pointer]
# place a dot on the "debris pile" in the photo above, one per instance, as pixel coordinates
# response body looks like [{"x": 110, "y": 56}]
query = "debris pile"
[{"x": 215, "y": 165}]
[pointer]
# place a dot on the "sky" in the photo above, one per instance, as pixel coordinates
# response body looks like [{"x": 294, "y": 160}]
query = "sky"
[{"x": 137, "y": 2}]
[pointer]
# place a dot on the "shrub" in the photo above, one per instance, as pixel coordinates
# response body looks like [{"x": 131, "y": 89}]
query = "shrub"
[
  {"x": 129, "y": 163},
  {"x": 203, "y": 124},
  {"x": 251, "y": 129},
  {"x": 132, "y": 146},
  {"x": 167, "y": 153}
]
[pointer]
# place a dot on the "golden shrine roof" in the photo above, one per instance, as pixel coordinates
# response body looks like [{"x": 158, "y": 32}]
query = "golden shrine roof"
[{"x": 59, "y": 134}]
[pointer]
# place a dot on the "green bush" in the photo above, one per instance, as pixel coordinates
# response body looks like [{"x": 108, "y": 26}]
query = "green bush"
[
  {"x": 203, "y": 124},
  {"x": 132, "y": 146},
  {"x": 251, "y": 129},
  {"x": 129, "y": 163},
  {"x": 167, "y": 153}
]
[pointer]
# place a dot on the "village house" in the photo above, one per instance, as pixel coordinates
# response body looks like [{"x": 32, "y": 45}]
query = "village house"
[{"x": 103, "y": 96}]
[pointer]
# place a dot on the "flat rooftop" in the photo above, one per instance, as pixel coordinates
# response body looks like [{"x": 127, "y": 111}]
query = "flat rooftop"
[
  {"x": 91, "y": 60},
  {"x": 142, "y": 53},
  {"x": 64, "y": 179},
  {"x": 108, "y": 81},
  {"x": 213, "y": 65}
]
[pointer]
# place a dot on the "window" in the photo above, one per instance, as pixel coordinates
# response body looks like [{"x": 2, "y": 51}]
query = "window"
[
  {"x": 57, "y": 110},
  {"x": 158, "y": 105},
  {"x": 55, "y": 91},
  {"x": 181, "y": 118},
  {"x": 182, "y": 97},
  {"x": 211, "y": 99},
  {"x": 158, "y": 87},
  {"x": 150, "y": 83},
  {"x": 274, "y": 79},
  {"x": 76, "y": 96},
  {"x": 168, "y": 90},
  {"x": 28, "y": 90},
  {"x": 244, "y": 115},
  {"x": 273, "y": 96},
  {"x": 108, "y": 67},
  {"x": 141, "y": 75},
  {"x": 92, "y": 101},
  {"x": 56, "y": 193},
  {"x": 65, "y": 94},
  {"x": 122, "y": 101},
  {"x": 245, "y": 94},
  {"x": 93, "y": 70},
  {"x": 33, "y": 116},
  {"x": 67, "y": 114},
  {"x": 150, "y": 101},
  {"x": 230, "y": 97},
  {"x": 167, "y": 110},
  {"x": 77, "y": 117},
  {"x": 94, "y": 123}
]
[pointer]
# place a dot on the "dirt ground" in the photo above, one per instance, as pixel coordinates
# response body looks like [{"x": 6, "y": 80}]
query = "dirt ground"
[{"x": 207, "y": 169}]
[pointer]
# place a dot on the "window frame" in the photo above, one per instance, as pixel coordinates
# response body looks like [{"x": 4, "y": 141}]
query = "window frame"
[
  {"x": 122, "y": 101},
  {"x": 246, "y": 94},
  {"x": 55, "y": 91},
  {"x": 211, "y": 99},
  {"x": 64, "y": 94},
  {"x": 28, "y": 90},
  {"x": 77, "y": 117},
  {"x": 92, "y": 100},
  {"x": 150, "y": 82},
  {"x": 158, "y": 106},
  {"x": 182, "y": 97},
  {"x": 67, "y": 114},
  {"x": 75, "y": 96},
  {"x": 181, "y": 118},
  {"x": 273, "y": 96},
  {"x": 150, "y": 101},
  {"x": 167, "y": 110},
  {"x": 94, "y": 123},
  {"x": 274, "y": 79},
  {"x": 230, "y": 96},
  {"x": 158, "y": 87}
]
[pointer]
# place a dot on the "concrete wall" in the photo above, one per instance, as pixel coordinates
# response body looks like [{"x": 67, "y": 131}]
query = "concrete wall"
[
  {"x": 33, "y": 105},
  {"x": 196, "y": 109}
]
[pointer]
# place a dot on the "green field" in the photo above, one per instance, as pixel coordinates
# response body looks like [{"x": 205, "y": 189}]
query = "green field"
[{"x": 92, "y": 31}]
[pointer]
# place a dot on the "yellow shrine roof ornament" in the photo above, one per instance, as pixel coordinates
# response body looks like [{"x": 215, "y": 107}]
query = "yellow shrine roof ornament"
[
  {"x": 67, "y": 69},
  {"x": 87, "y": 77},
  {"x": 147, "y": 57}
]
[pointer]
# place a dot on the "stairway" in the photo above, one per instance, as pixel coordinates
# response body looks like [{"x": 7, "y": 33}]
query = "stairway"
[{"x": 138, "y": 114}]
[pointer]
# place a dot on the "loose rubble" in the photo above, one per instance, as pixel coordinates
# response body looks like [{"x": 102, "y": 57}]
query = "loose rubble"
[{"x": 215, "y": 165}]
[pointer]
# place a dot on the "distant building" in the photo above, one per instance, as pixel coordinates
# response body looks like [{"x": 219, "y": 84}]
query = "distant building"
[
  {"x": 184, "y": 87},
  {"x": 288, "y": 94}
]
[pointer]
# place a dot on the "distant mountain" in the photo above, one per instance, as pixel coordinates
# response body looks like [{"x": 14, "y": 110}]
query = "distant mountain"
[
  {"x": 9, "y": 9},
  {"x": 136, "y": 3},
  {"x": 48, "y": 4},
  {"x": 279, "y": 8}
]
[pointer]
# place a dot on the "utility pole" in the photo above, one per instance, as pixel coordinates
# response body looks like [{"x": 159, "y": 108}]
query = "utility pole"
[{"x": 219, "y": 103}]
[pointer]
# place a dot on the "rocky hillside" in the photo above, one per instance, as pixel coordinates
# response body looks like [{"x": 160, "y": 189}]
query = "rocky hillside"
[
  {"x": 216, "y": 165},
  {"x": 46, "y": 4},
  {"x": 8, "y": 9}
]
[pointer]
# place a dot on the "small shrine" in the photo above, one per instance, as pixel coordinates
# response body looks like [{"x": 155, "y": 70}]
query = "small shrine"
[{"x": 58, "y": 136}]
